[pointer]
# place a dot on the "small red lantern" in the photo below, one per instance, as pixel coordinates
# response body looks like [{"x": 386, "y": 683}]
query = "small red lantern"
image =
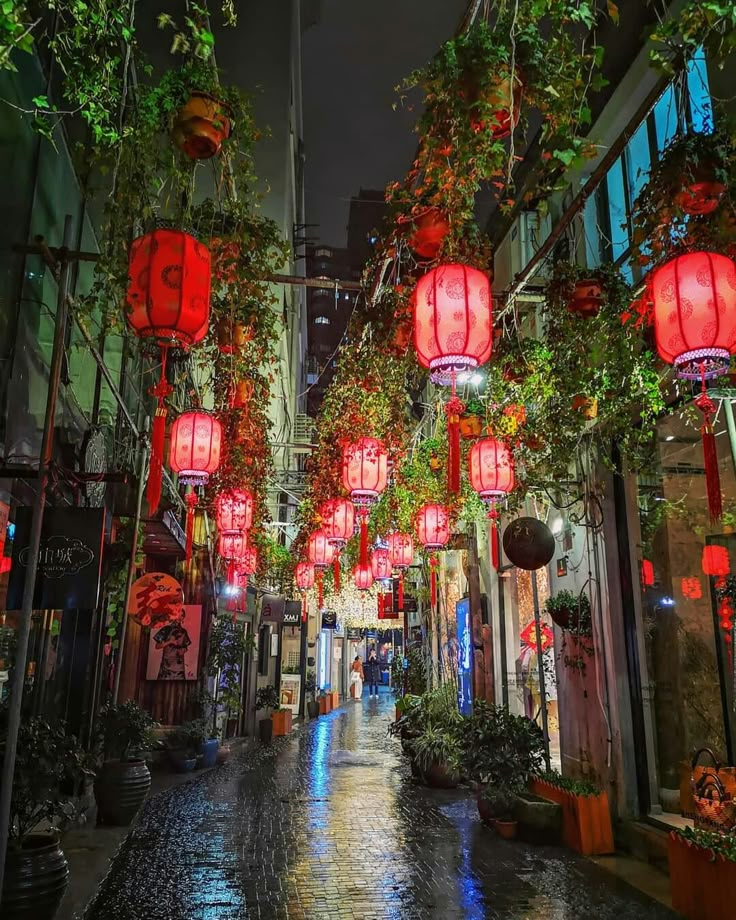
[
  {"x": 195, "y": 447},
  {"x": 321, "y": 554},
  {"x": 338, "y": 520},
  {"x": 433, "y": 530},
  {"x": 453, "y": 319},
  {"x": 491, "y": 469},
  {"x": 380, "y": 563},
  {"x": 247, "y": 564},
  {"x": 692, "y": 589},
  {"x": 168, "y": 300},
  {"x": 716, "y": 561},
  {"x": 304, "y": 576},
  {"x": 232, "y": 548},
  {"x": 694, "y": 300},
  {"x": 401, "y": 554},
  {"x": 647, "y": 573},
  {"x": 365, "y": 470},
  {"x": 234, "y": 510},
  {"x": 362, "y": 577}
]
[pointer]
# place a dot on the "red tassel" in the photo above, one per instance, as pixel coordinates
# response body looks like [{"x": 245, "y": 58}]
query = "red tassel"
[
  {"x": 191, "y": 500},
  {"x": 231, "y": 573},
  {"x": 454, "y": 409},
  {"x": 320, "y": 591},
  {"x": 158, "y": 438},
  {"x": 363, "y": 538},
  {"x": 305, "y": 614},
  {"x": 493, "y": 536},
  {"x": 401, "y": 590},
  {"x": 710, "y": 456},
  {"x": 336, "y": 572},
  {"x": 433, "y": 581}
]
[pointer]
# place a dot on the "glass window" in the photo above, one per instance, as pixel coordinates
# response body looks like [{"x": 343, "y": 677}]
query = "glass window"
[
  {"x": 321, "y": 320},
  {"x": 618, "y": 206},
  {"x": 665, "y": 118},
  {"x": 701, "y": 111},
  {"x": 592, "y": 234},
  {"x": 638, "y": 160}
]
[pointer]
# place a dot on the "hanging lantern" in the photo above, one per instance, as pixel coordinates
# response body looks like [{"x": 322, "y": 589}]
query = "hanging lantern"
[
  {"x": 433, "y": 530},
  {"x": 365, "y": 470},
  {"x": 246, "y": 565},
  {"x": 401, "y": 555},
  {"x": 694, "y": 301},
  {"x": 194, "y": 453},
  {"x": 338, "y": 520},
  {"x": 491, "y": 468},
  {"x": 304, "y": 576},
  {"x": 362, "y": 577},
  {"x": 321, "y": 553},
  {"x": 168, "y": 300},
  {"x": 716, "y": 561},
  {"x": 380, "y": 563},
  {"x": 232, "y": 547},
  {"x": 234, "y": 511}
]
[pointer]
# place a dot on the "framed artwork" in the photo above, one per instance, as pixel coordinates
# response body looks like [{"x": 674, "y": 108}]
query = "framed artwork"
[{"x": 173, "y": 651}]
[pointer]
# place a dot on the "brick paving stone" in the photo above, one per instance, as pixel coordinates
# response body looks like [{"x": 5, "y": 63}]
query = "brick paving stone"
[{"x": 327, "y": 823}]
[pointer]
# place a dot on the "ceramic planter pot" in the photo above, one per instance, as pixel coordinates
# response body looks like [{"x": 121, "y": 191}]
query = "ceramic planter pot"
[
  {"x": 265, "y": 729},
  {"x": 36, "y": 876},
  {"x": 223, "y": 753},
  {"x": 539, "y": 820},
  {"x": 700, "y": 192},
  {"x": 182, "y": 761},
  {"x": 470, "y": 426},
  {"x": 313, "y": 709},
  {"x": 325, "y": 704},
  {"x": 439, "y": 777},
  {"x": 499, "y": 98},
  {"x": 281, "y": 722},
  {"x": 201, "y": 125},
  {"x": 208, "y": 750},
  {"x": 587, "y": 297},
  {"x": 120, "y": 789},
  {"x": 506, "y": 829},
  {"x": 430, "y": 229}
]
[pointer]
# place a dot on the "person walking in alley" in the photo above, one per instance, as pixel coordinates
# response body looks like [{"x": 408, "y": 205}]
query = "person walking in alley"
[
  {"x": 372, "y": 671},
  {"x": 356, "y": 678}
]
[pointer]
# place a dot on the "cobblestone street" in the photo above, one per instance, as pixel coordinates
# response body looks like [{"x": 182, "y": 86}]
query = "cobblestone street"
[{"x": 328, "y": 823}]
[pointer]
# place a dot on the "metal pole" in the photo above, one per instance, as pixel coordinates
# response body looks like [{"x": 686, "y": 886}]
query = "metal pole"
[
  {"x": 142, "y": 469},
  {"x": 34, "y": 543},
  {"x": 731, "y": 426},
  {"x": 540, "y": 666}
]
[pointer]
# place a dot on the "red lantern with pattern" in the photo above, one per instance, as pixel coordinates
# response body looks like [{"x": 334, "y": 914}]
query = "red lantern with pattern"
[
  {"x": 194, "y": 454},
  {"x": 491, "y": 468},
  {"x": 304, "y": 576},
  {"x": 234, "y": 511},
  {"x": 168, "y": 300},
  {"x": 380, "y": 563},
  {"x": 321, "y": 553},
  {"x": 362, "y": 577},
  {"x": 694, "y": 305},
  {"x": 338, "y": 523},
  {"x": 231, "y": 547},
  {"x": 401, "y": 554},
  {"x": 365, "y": 476},
  {"x": 433, "y": 531}
]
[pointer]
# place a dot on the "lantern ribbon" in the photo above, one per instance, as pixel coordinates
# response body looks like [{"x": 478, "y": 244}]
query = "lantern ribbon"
[
  {"x": 433, "y": 579},
  {"x": 710, "y": 454},
  {"x": 191, "y": 500},
  {"x": 336, "y": 572},
  {"x": 401, "y": 590},
  {"x": 493, "y": 534},
  {"x": 363, "y": 537},
  {"x": 320, "y": 591},
  {"x": 453, "y": 409},
  {"x": 158, "y": 436}
]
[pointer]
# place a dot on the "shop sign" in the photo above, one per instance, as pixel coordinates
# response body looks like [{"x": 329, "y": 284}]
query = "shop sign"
[
  {"x": 292, "y": 614},
  {"x": 386, "y": 607},
  {"x": 464, "y": 657},
  {"x": 354, "y": 634},
  {"x": 329, "y": 619},
  {"x": 69, "y": 559},
  {"x": 272, "y": 608}
]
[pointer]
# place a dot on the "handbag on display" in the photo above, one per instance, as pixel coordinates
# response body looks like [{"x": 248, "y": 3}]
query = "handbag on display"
[{"x": 715, "y": 807}]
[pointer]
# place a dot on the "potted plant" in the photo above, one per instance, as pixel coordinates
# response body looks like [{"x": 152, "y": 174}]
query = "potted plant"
[
  {"x": 310, "y": 688},
  {"x": 586, "y": 817},
  {"x": 497, "y": 806},
  {"x": 123, "y": 733},
  {"x": 181, "y": 747},
  {"x": 702, "y": 867},
  {"x": 201, "y": 125},
  {"x": 436, "y": 752},
  {"x": 570, "y": 611},
  {"x": 471, "y": 421},
  {"x": 267, "y": 698},
  {"x": 36, "y": 871}
]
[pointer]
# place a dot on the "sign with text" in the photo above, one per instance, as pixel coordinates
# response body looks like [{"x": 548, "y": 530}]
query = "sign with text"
[
  {"x": 386, "y": 609},
  {"x": 354, "y": 634},
  {"x": 464, "y": 657},
  {"x": 69, "y": 559},
  {"x": 272, "y": 608},
  {"x": 292, "y": 614},
  {"x": 329, "y": 619}
]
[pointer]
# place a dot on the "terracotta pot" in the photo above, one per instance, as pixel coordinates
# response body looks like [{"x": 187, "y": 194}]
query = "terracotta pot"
[
  {"x": 703, "y": 884},
  {"x": 325, "y": 704},
  {"x": 438, "y": 777},
  {"x": 700, "y": 192},
  {"x": 232, "y": 337},
  {"x": 36, "y": 877},
  {"x": 587, "y": 406},
  {"x": 498, "y": 97},
  {"x": 587, "y": 298},
  {"x": 586, "y": 819},
  {"x": 201, "y": 125},
  {"x": 470, "y": 426},
  {"x": 430, "y": 229},
  {"x": 484, "y": 810},
  {"x": 281, "y": 722},
  {"x": 506, "y": 829},
  {"x": 223, "y": 753},
  {"x": 335, "y": 699},
  {"x": 242, "y": 393}
]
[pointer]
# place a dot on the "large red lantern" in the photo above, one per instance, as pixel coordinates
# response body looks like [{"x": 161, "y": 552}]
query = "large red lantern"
[
  {"x": 168, "y": 300},
  {"x": 362, "y": 577},
  {"x": 234, "y": 511},
  {"x": 694, "y": 301},
  {"x": 491, "y": 469},
  {"x": 401, "y": 554},
  {"x": 453, "y": 319},
  {"x": 304, "y": 576},
  {"x": 380, "y": 563},
  {"x": 433, "y": 530},
  {"x": 365, "y": 476},
  {"x": 321, "y": 553},
  {"x": 194, "y": 453},
  {"x": 232, "y": 548},
  {"x": 338, "y": 520}
]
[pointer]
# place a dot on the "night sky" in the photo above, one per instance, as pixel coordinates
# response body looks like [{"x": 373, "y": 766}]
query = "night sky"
[{"x": 352, "y": 60}]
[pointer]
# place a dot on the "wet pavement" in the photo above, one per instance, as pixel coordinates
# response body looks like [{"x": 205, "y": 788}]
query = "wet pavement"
[{"x": 328, "y": 823}]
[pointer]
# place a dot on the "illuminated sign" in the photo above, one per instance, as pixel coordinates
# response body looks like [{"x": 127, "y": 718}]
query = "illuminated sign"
[{"x": 464, "y": 657}]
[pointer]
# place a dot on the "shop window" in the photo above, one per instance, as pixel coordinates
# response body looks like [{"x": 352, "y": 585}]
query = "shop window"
[{"x": 321, "y": 320}]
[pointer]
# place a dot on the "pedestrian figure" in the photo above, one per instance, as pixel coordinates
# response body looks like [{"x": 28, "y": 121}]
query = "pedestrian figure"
[
  {"x": 356, "y": 678},
  {"x": 372, "y": 671}
]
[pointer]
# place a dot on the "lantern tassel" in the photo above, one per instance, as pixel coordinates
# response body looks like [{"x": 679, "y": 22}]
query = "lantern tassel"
[
  {"x": 305, "y": 608},
  {"x": 191, "y": 500},
  {"x": 336, "y": 572},
  {"x": 433, "y": 581},
  {"x": 158, "y": 437},
  {"x": 710, "y": 455},
  {"x": 493, "y": 536},
  {"x": 320, "y": 591},
  {"x": 363, "y": 538},
  {"x": 454, "y": 409},
  {"x": 401, "y": 590}
]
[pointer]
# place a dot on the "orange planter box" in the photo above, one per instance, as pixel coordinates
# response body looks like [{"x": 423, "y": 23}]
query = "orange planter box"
[
  {"x": 325, "y": 704},
  {"x": 586, "y": 819},
  {"x": 335, "y": 699},
  {"x": 281, "y": 722},
  {"x": 703, "y": 886}
]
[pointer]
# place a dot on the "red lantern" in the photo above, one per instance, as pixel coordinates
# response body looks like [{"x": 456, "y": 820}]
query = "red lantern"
[
  {"x": 234, "y": 510},
  {"x": 232, "y": 548},
  {"x": 247, "y": 564},
  {"x": 453, "y": 320},
  {"x": 195, "y": 447},
  {"x": 433, "y": 526},
  {"x": 365, "y": 470},
  {"x": 362, "y": 577},
  {"x": 320, "y": 551},
  {"x": 380, "y": 563},
  {"x": 694, "y": 300},
  {"x": 304, "y": 576},
  {"x": 401, "y": 554},
  {"x": 491, "y": 469},
  {"x": 168, "y": 300},
  {"x": 716, "y": 561},
  {"x": 338, "y": 520}
]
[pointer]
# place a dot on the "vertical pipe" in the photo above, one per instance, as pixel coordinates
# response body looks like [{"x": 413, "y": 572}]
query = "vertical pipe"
[
  {"x": 34, "y": 543},
  {"x": 540, "y": 667},
  {"x": 145, "y": 449}
]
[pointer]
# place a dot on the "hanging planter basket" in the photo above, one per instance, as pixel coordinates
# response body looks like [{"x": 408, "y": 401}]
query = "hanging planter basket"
[
  {"x": 498, "y": 99},
  {"x": 700, "y": 192},
  {"x": 471, "y": 426},
  {"x": 571, "y": 612},
  {"x": 587, "y": 406},
  {"x": 587, "y": 298},
  {"x": 201, "y": 125},
  {"x": 232, "y": 337},
  {"x": 430, "y": 229}
]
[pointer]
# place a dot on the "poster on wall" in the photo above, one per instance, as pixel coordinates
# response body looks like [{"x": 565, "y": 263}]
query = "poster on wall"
[
  {"x": 290, "y": 690},
  {"x": 464, "y": 657},
  {"x": 173, "y": 650}
]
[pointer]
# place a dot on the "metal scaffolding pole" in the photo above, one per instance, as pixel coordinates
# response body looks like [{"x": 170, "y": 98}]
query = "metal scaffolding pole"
[{"x": 29, "y": 586}]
